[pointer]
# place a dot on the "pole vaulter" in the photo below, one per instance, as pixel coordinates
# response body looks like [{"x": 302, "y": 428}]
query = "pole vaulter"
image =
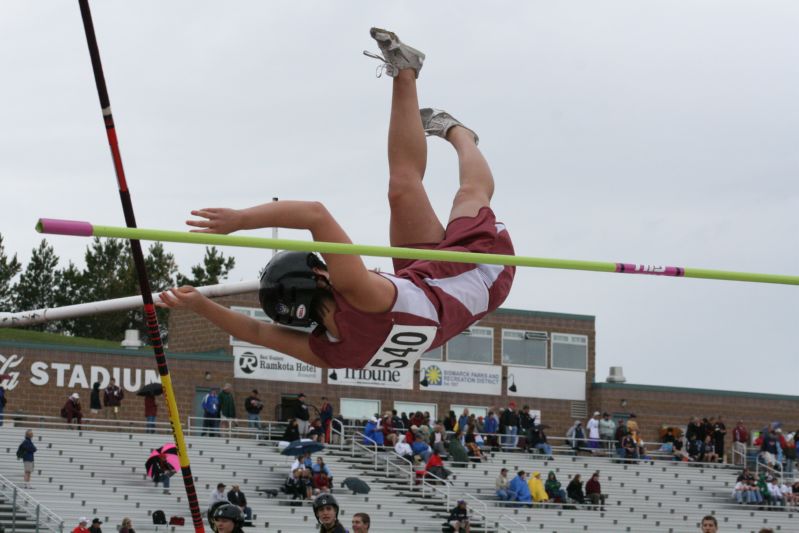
[{"x": 141, "y": 270}]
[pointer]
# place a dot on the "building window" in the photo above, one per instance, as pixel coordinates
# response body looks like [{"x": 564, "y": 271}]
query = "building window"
[
  {"x": 357, "y": 409},
  {"x": 410, "y": 408},
  {"x": 436, "y": 354},
  {"x": 475, "y": 345},
  {"x": 475, "y": 410},
  {"x": 524, "y": 348},
  {"x": 569, "y": 352}
]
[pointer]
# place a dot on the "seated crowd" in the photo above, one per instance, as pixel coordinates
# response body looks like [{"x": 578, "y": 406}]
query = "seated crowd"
[
  {"x": 308, "y": 478},
  {"x": 532, "y": 489}
]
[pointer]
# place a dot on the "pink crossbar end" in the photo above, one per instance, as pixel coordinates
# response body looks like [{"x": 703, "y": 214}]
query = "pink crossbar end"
[
  {"x": 652, "y": 270},
  {"x": 55, "y": 226}
]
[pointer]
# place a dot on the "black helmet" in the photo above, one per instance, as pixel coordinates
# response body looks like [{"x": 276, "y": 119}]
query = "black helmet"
[
  {"x": 288, "y": 286},
  {"x": 323, "y": 500},
  {"x": 231, "y": 512}
]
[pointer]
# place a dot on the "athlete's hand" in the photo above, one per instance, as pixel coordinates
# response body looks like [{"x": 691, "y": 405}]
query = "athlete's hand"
[
  {"x": 217, "y": 220},
  {"x": 185, "y": 297}
]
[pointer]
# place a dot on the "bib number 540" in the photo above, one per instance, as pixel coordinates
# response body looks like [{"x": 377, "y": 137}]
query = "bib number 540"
[{"x": 403, "y": 347}]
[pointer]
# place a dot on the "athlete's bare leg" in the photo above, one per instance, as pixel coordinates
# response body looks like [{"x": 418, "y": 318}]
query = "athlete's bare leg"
[
  {"x": 476, "y": 182},
  {"x": 413, "y": 220}
]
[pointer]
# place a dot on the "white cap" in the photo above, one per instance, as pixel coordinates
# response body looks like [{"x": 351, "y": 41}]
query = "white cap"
[
  {"x": 83, "y": 518},
  {"x": 596, "y": 413},
  {"x": 75, "y": 396}
]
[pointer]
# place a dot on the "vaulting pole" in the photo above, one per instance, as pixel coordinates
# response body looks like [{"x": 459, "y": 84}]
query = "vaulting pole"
[
  {"x": 141, "y": 270},
  {"x": 86, "y": 229}
]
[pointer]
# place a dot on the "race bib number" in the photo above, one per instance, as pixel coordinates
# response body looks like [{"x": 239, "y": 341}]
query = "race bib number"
[{"x": 403, "y": 347}]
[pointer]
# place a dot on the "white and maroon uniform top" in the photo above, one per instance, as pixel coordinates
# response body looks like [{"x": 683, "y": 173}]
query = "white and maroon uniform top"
[{"x": 435, "y": 301}]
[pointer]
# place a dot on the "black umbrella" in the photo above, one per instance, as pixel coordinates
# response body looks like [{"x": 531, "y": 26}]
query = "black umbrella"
[
  {"x": 356, "y": 485},
  {"x": 152, "y": 389},
  {"x": 299, "y": 447}
]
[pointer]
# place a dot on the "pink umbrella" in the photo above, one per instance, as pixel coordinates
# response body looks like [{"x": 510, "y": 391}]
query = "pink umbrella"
[{"x": 169, "y": 452}]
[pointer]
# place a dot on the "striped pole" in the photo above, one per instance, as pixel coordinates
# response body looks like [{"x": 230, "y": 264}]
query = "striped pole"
[
  {"x": 141, "y": 270},
  {"x": 86, "y": 229}
]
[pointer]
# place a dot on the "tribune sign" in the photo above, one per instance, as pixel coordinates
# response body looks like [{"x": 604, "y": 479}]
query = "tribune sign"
[{"x": 389, "y": 378}]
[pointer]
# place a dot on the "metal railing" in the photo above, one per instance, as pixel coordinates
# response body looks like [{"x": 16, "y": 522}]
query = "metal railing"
[
  {"x": 45, "y": 519},
  {"x": 501, "y": 527},
  {"x": 86, "y": 423}
]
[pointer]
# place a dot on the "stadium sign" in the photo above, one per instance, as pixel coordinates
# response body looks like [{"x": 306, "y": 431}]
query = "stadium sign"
[
  {"x": 388, "y": 378},
  {"x": 73, "y": 376},
  {"x": 460, "y": 377}
]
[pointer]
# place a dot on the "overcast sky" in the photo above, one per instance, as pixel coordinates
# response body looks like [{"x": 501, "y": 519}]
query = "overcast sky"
[{"x": 649, "y": 132}]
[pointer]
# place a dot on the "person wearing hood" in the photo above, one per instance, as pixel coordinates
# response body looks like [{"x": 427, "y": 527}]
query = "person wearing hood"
[
  {"x": 576, "y": 435},
  {"x": 575, "y": 489},
  {"x": 537, "y": 489},
  {"x": 553, "y": 488},
  {"x": 94, "y": 399},
  {"x": 519, "y": 487},
  {"x": 72, "y": 410}
]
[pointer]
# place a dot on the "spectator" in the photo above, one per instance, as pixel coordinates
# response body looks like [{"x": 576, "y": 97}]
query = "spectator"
[
  {"x": 95, "y": 527},
  {"x": 316, "y": 432},
  {"x": 112, "y": 399},
  {"x": 81, "y": 527},
  {"x": 710, "y": 450},
  {"x": 396, "y": 421},
  {"x": 25, "y": 452},
  {"x": 575, "y": 490},
  {"x": 320, "y": 482},
  {"x": 126, "y": 526},
  {"x": 294, "y": 486},
  {"x": 450, "y": 421},
  {"x": 3, "y": 402},
  {"x": 593, "y": 489},
  {"x": 693, "y": 431},
  {"x": 326, "y": 418},
  {"x": 421, "y": 448},
  {"x": 719, "y": 433},
  {"x": 94, "y": 399},
  {"x": 325, "y": 509},
  {"x": 406, "y": 422},
  {"x": 227, "y": 406},
  {"x": 237, "y": 498},
  {"x": 740, "y": 439},
  {"x": 490, "y": 428},
  {"x": 292, "y": 432},
  {"x": 150, "y": 412},
  {"x": 762, "y": 487},
  {"x": 217, "y": 495},
  {"x": 463, "y": 420},
  {"x": 302, "y": 462},
  {"x": 502, "y": 485},
  {"x": 607, "y": 429},
  {"x": 253, "y": 405},
  {"x": 519, "y": 487},
  {"x": 632, "y": 424},
  {"x": 435, "y": 466},
  {"x": 510, "y": 426},
  {"x": 459, "y": 518},
  {"x": 576, "y": 435},
  {"x": 227, "y": 518},
  {"x": 72, "y": 410},
  {"x": 745, "y": 493},
  {"x": 775, "y": 491},
  {"x": 593, "y": 431},
  {"x": 320, "y": 466},
  {"x": 403, "y": 449},
  {"x": 210, "y": 406},
  {"x": 162, "y": 471},
  {"x": 679, "y": 453},
  {"x": 526, "y": 421},
  {"x": 709, "y": 524},
  {"x": 538, "y": 440},
  {"x": 472, "y": 445},
  {"x": 537, "y": 489},
  {"x": 438, "y": 440},
  {"x": 789, "y": 453},
  {"x": 628, "y": 447},
  {"x": 302, "y": 414},
  {"x": 553, "y": 488},
  {"x": 768, "y": 443},
  {"x": 787, "y": 493},
  {"x": 361, "y": 523}
]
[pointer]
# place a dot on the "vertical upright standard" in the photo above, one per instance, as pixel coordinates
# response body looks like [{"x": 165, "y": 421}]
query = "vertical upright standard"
[{"x": 138, "y": 259}]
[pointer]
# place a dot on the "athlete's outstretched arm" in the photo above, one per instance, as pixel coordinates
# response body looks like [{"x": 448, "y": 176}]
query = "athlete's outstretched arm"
[
  {"x": 348, "y": 274},
  {"x": 284, "y": 340}
]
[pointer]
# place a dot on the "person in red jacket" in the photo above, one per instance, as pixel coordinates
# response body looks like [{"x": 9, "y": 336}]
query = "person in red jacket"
[
  {"x": 740, "y": 439},
  {"x": 593, "y": 489},
  {"x": 72, "y": 410},
  {"x": 150, "y": 412}
]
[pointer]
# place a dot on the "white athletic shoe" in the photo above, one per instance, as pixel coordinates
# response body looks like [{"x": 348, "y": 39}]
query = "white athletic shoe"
[
  {"x": 396, "y": 54},
  {"x": 438, "y": 122}
]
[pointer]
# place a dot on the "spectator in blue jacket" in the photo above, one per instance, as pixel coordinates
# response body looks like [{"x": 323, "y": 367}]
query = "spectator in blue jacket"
[
  {"x": 490, "y": 426},
  {"x": 26, "y": 450},
  {"x": 211, "y": 414},
  {"x": 519, "y": 487},
  {"x": 372, "y": 435},
  {"x": 421, "y": 448}
]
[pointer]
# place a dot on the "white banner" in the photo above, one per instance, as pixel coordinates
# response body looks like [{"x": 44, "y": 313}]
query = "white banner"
[
  {"x": 372, "y": 377},
  {"x": 546, "y": 383},
  {"x": 263, "y": 363},
  {"x": 461, "y": 377}
]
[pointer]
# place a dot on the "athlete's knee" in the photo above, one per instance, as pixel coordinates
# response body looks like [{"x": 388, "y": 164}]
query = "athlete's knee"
[
  {"x": 402, "y": 186},
  {"x": 471, "y": 192}
]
